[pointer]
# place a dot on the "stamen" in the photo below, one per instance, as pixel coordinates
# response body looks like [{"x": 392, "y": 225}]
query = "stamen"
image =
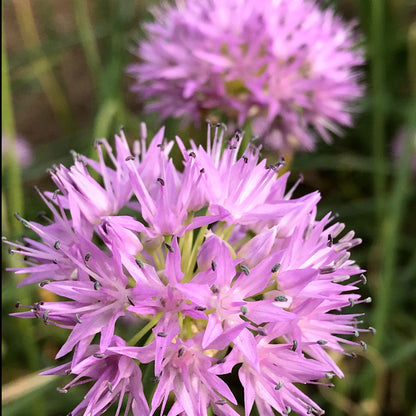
[
  {"x": 213, "y": 265},
  {"x": 155, "y": 379},
  {"x": 220, "y": 402},
  {"x": 330, "y": 241},
  {"x": 181, "y": 352},
  {"x": 244, "y": 309},
  {"x": 60, "y": 390},
  {"x": 139, "y": 263},
  {"x": 162, "y": 334},
  {"x": 262, "y": 331},
  {"x": 202, "y": 170},
  {"x": 98, "y": 355},
  {"x": 44, "y": 283},
  {"x": 131, "y": 301},
  {"x": 245, "y": 269},
  {"x": 322, "y": 342},
  {"x": 161, "y": 181},
  {"x": 131, "y": 157},
  {"x": 351, "y": 301},
  {"x": 192, "y": 154},
  {"x": 221, "y": 361},
  {"x": 57, "y": 245},
  {"x": 280, "y": 298},
  {"x": 276, "y": 267},
  {"x": 87, "y": 256},
  {"x": 45, "y": 316},
  {"x": 287, "y": 411},
  {"x": 78, "y": 318},
  {"x": 327, "y": 269},
  {"x": 215, "y": 289},
  {"x": 363, "y": 345},
  {"x": 363, "y": 279},
  {"x": 110, "y": 387},
  {"x": 295, "y": 345},
  {"x": 200, "y": 308},
  {"x": 245, "y": 158},
  {"x": 168, "y": 247},
  {"x": 372, "y": 330},
  {"x": 96, "y": 285}
]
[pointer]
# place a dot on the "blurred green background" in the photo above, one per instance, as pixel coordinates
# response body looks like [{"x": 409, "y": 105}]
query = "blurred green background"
[{"x": 64, "y": 85}]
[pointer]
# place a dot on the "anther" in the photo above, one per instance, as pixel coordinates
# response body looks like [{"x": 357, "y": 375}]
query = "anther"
[
  {"x": 245, "y": 269},
  {"x": 245, "y": 158},
  {"x": 131, "y": 301},
  {"x": 287, "y": 411},
  {"x": 55, "y": 194},
  {"x": 17, "y": 304},
  {"x": 168, "y": 247},
  {"x": 356, "y": 333},
  {"x": 215, "y": 289},
  {"x": 220, "y": 402},
  {"x": 363, "y": 279},
  {"x": 57, "y": 244},
  {"x": 45, "y": 316},
  {"x": 327, "y": 269},
  {"x": 60, "y": 390},
  {"x": 139, "y": 263},
  {"x": 262, "y": 331},
  {"x": 294, "y": 345},
  {"x": 221, "y": 361},
  {"x": 10, "y": 251},
  {"x": 55, "y": 261},
  {"x": 213, "y": 265},
  {"x": 363, "y": 345},
  {"x": 96, "y": 285},
  {"x": 330, "y": 241},
  {"x": 79, "y": 320},
  {"x": 280, "y": 298},
  {"x": 110, "y": 387},
  {"x": 87, "y": 256},
  {"x": 162, "y": 334},
  {"x": 181, "y": 352},
  {"x": 44, "y": 283},
  {"x": 202, "y": 170},
  {"x": 309, "y": 411},
  {"x": 244, "y": 309},
  {"x": 161, "y": 181},
  {"x": 351, "y": 301},
  {"x": 276, "y": 267},
  {"x": 192, "y": 154},
  {"x": 155, "y": 379},
  {"x": 368, "y": 300},
  {"x": 130, "y": 157},
  {"x": 200, "y": 308},
  {"x": 352, "y": 355},
  {"x": 322, "y": 342},
  {"x": 99, "y": 355},
  {"x": 372, "y": 330}
]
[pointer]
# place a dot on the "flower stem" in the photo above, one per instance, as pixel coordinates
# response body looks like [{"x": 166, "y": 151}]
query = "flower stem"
[{"x": 136, "y": 338}]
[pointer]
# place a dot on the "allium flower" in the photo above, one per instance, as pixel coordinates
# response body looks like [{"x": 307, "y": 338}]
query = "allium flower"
[
  {"x": 245, "y": 277},
  {"x": 287, "y": 65}
]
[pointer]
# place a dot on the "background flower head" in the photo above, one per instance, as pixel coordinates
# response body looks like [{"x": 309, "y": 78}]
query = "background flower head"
[{"x": 287, "y": 65}]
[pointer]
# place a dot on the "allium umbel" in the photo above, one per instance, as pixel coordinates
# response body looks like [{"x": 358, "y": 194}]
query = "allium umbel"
[
  {"x": 221, "y": 264},
  {"x": 287, "y": 65}
]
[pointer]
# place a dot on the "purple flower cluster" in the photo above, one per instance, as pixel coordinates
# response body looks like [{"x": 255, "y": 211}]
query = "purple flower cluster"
[
  {"x": 286, "y": 65},
  {"x": 221, "y": 264}
]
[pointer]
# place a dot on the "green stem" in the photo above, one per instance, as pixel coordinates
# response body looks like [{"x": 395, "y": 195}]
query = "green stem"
[
  {"x": 87, "y": 36},
  {"x": 134, "y": 340},
  {"x": 378, "y": 99},
  {"x": 390, "y": 239},
  {"x": 12, "y": 174}
]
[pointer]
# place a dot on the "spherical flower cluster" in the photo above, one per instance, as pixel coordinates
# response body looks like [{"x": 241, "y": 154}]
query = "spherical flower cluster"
[
  {"x": 223, "y": 267},
  {"x": 287, "y": 65}
]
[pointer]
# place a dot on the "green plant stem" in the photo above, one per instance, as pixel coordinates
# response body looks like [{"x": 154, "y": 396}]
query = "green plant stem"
[
  {"x": 378, "y": 98},
  {"x": 87, "y": 37},
  {"x": 11, "y": 168},
  {"x": 390, "y": 238}
]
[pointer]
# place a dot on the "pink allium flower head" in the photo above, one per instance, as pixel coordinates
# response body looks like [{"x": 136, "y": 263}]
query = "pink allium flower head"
[
  {"x": 246, "y": 276},
  {"x": 286, "y": 65}
]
